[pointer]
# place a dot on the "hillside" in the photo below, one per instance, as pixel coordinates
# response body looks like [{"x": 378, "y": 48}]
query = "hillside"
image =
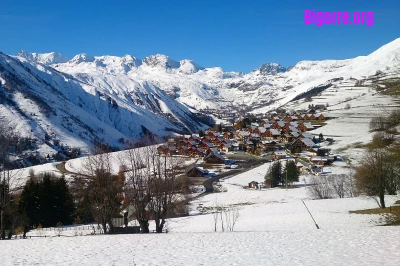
[{"x": 89, "y": 99}]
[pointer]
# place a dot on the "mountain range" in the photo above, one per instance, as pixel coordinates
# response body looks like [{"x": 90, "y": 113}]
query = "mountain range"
[{"x": 85, "y": 99}]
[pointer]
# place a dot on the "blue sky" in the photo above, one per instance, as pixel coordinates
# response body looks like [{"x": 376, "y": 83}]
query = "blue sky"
[{"x": 236, "y": 35}]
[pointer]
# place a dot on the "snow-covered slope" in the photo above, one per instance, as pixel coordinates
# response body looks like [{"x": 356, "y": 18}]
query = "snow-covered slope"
[
  {"x": 108, "y": 98},
  {"x": 54, "y": 107},
  {"x": 265, "y": 88}
]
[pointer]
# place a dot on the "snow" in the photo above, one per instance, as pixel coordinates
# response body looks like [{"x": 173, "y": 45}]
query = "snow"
[{"x": 374, "y": 246}]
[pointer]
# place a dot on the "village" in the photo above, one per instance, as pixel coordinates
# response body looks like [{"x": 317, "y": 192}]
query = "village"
[{"x": 276, "y": 137}]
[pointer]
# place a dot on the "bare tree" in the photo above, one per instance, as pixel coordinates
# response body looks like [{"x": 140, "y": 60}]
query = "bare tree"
[
  {"x": 154, "y": 187},
  {"x": 378, "y": 174},
  {"x": 104, "y": 190},
  {"x": 320, "y": 187}
]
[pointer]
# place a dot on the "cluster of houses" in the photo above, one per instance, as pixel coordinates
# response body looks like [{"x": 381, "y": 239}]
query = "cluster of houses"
[{"x": 266, "y": 136}]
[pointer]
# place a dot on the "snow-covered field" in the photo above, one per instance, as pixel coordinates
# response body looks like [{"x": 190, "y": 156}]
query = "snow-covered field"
[{"x": 274, "y": 228}]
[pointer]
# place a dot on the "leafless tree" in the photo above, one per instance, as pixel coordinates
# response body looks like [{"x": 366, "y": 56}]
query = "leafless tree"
[
  {"x": 154, "y": 187},
  {"x": 378, "y": 174},
  {"x": 320, "y": 187},
  {"x": 104, "y": 190}
]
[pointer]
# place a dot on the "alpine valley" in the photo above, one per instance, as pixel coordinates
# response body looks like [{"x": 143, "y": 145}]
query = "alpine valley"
[{"x": 57, "y": 101}]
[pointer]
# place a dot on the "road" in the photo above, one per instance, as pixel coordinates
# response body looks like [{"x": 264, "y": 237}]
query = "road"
[{"x": 209, "y": 183}]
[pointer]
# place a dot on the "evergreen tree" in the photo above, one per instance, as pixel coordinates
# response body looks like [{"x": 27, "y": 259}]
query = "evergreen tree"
[
  {"x": 291, "y": 172},
  {"x": 321, "y": 137},
  {"x": 47, "y": 201},
  {"x": 274, "y": 174}
]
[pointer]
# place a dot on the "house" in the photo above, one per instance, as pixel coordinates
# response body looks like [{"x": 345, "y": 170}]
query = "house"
[
  {"x": 263, "y": 122},
  {"x": 302, "y": 144},
  {"x": 162, "y": 149},
  {"x": 183, "y": 150},
  {"x": 253, "y": 184},
  {"x": 195, "y": 171},
  {"x": 320, "y": 117},
  {"x": 318, "y": 160},
  {"x": 214, "y": 158},
  {"x": 274, "y": 134},
  {"x": 279, "y": 155},
  {"x": 197, "y": 152}
]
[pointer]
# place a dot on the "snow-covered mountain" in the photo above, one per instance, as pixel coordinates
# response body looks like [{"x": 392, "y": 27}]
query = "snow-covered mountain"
[
  {"x": 110, "y": 98},
  {"x": 267, "y": 87},
  {"x": 77, "y": 110}
]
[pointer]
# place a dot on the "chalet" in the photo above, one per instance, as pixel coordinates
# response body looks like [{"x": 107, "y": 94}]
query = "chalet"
[
  {"x": 275, "y": 119},
  {"x": 227, "y": 135},
  {"x": 269, "y": 145},
  {"x": 214, "y": 158},
  {"x": 170, "y": 150},
  {"x": 198, "y": 152},
  {"x": 267, "y": 125},
  {"x": 211, "y": 135},
  {"x": 162, "y": 149},
  {"x": 320, "y": 117},
  {"x": 274, "y": 134},
  {"x": 244, "y": 135},
  {"x": 253, "y": 184},
  {"x": 225, "y": 147},
  {"x": 183, "y": 150},
  {"x": 288, "y": 138},
  {"x": 306, "y": 135},
  {"x": 194, "y": 138},
  {"x": 263, "y": 122},
  {"x": 312, "y": 117},
  {"x": 255, "y": 136},
  {"x": 278, "y": 125},
  {"x": 279, "y": 155},
  {"x": 318, "y": 160},
  {"x": 206, "y": 139},
  {"x": 195, "y": 171},
  {"x": 302, "y": 144}
]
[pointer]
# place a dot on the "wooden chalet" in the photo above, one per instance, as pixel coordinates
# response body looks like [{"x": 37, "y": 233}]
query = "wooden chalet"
[{"x": 214, "y": 158}]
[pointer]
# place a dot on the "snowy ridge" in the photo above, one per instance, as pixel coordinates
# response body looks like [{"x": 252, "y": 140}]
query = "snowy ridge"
[
  {"x": 265, "y": 88},
  {"x": 122, "y": 97},
  {"x": 42, "y": 102}
]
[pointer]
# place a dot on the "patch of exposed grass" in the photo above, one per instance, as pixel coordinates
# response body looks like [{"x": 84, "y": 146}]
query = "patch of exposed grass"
[{"x": 390, "y": 214}]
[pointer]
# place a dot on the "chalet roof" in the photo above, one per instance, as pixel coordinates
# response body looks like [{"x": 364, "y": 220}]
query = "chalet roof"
[
  {"x": 308, "y": 142},
  {"x": 294, "y": 123},
  {"x": 293, "y": 129},
  {"x": 245, "y": 133},
  {"x": 275, "y": 132},
  {"x": 267, "y": 125},
  {"x": 196, "y": 137},
  {"x": 318, "y": 159},
  {"x": 307, "y": 135},
  {"x": 192, "y": 142},
  {"x": 308, "y": 125},
  {"x": 262, "y": 129},
  {"x": 216, "y": 154},
  {"x": 265, "y": 120},
  {"x": 281, "y": 123},
  {"x": 254, "y": 183},
  {"x": 184, "y": 148},
  {"x": 295, "y": 134},
  {"x": 280, "y": 153},
  {"x": 255, "y": 135}
]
